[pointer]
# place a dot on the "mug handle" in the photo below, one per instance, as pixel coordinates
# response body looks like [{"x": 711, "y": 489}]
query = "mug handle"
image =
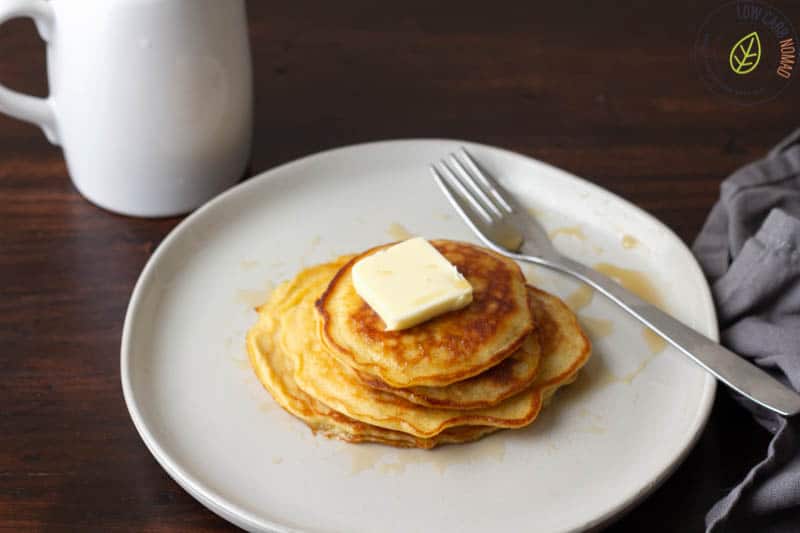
[{"x": 18, "y": 105}]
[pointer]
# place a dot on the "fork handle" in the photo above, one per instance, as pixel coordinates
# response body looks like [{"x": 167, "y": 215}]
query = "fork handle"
[{"x": 731, "y": 369}]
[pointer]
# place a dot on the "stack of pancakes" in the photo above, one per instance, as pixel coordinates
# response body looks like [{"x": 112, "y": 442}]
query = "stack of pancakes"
[{"x": 325, "y": 355}]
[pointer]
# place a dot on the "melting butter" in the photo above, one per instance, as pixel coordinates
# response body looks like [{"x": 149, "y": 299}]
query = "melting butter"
[{"x": 409, "y": 283}]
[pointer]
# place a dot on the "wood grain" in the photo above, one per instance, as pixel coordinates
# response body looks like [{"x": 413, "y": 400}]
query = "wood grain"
[{"x": 605, "y": 91}]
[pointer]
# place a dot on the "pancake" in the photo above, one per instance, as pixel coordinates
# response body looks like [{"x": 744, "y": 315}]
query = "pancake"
[
  {"x": 332, "y": 401},
  {"x": 565, "y": 347},
  {"x": 275, "y": 368},
  {"x": 488, "y": 388},
  {"x": 323, "y": 377},
  {"x": 449, "y": 348}
]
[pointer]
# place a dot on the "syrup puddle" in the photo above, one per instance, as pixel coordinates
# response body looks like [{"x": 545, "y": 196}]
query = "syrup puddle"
[
  {"x": 629, "y": 242},
  {"x": 597, "y": 327},
  {"x": 398, "y": 232},
  {"x": 365, "y": 457},
  {"x": 580, "y": 298},
  {"x": 254, "y": 297},
  {"x": 633, "y": 280},
  {"x": 606, "y": 377},
  {"x": 638, "y": 283},
  {"x": 536, "y": 212},
  {"x": 596, "y": 374},
  {"x": 602, "y": 376},
  {"x": 654, "y": 341},
  {"x": 572, "y": 231},
  {"x": 596, "y": 422}
]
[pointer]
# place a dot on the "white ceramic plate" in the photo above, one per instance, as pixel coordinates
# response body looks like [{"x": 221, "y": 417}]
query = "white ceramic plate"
[{"x": 604, "y": 443}]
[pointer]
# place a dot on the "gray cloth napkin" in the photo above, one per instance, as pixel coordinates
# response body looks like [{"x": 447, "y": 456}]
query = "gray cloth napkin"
[{"x": 749, "y": 249}]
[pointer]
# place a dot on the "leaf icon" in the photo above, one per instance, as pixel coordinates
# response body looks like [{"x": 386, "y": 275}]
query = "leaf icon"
[{"x": 745, "y": 54}]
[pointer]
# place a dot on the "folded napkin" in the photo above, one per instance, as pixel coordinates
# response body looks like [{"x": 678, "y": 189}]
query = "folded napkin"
[{"x": 749, "y": 249}]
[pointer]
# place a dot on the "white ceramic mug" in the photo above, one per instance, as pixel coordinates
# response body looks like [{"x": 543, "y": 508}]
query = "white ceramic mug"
[{"x": 151, "y": 100}]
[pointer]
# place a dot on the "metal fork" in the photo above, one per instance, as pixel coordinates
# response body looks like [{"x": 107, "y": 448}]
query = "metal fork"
[{"x": 507, "y": 228}]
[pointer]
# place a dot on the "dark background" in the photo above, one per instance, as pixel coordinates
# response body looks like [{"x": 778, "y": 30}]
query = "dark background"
[{"x": 604, "y": 90}]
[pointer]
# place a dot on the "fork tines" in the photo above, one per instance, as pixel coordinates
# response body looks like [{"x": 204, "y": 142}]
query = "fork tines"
[{"x": 482, "y": 192}]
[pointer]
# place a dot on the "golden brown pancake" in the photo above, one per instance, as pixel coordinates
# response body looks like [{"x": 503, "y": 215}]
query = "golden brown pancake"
[
  {"x": 565, "y": 347},
  {"x": 275, "y": 371},
  {"x": 283, "y": 342},
  {"x": 449, "y": 348},
  {"x": 324, "y": 378},
  {"x": 488, "y": 388}
]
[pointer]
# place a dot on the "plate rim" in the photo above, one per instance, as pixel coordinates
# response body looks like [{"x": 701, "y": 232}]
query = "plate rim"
[{"x": 240, "y": 517}]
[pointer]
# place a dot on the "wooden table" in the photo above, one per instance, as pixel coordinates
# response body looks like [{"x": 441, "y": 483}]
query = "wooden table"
[{"x": 604, "y": 92}]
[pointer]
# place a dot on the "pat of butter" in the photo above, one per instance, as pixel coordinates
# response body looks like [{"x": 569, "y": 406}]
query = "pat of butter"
[{"x": 409, "y": 283}]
